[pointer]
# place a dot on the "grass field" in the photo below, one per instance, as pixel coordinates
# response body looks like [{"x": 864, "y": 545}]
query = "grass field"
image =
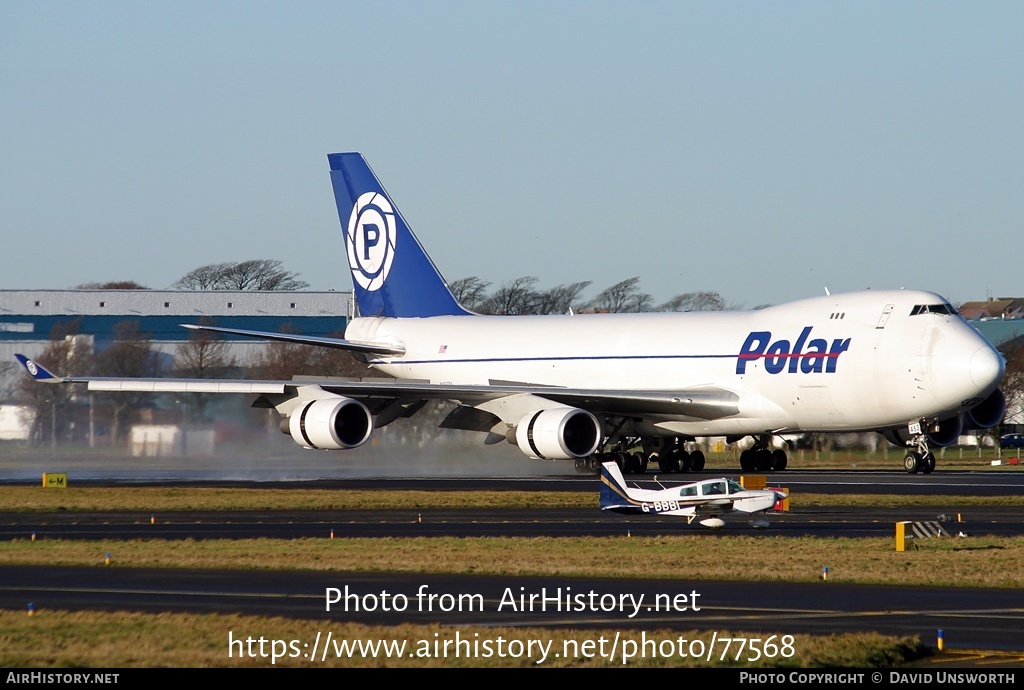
[
  {"x": 149, "y": 500},
  {"x": 94, "y": 639},
  {"x": 64, "y": 639}
]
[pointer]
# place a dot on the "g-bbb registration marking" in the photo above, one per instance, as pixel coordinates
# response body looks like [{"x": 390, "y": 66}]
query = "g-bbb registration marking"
[{"x": 660, "y": 506}]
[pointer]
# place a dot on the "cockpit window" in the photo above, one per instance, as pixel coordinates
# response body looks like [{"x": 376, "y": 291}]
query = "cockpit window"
[
  {"x": 932, "y": 309},
  {"x": 713, "y": 488},
  {"x": 735, "y": 487},
  {"x": 689, "y": 490}
]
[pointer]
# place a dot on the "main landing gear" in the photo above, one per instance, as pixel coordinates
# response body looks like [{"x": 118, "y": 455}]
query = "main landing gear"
[
  {"x": 629, "y": 463},
  {"x": 672, "y": 457},
  {"x": 636, "y": 455},
  {"x": 760, "y": 457}
]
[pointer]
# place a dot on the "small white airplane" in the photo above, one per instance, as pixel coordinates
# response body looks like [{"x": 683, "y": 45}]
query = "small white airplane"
[
  {"x": 705, "y": 501},
  {"x": 590, "y": 387}
]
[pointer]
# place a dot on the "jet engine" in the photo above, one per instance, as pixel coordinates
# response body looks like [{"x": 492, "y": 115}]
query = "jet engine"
[
  {"x": 330, "y": 423},
  {"x": 987, "y": 413},
  {"x": 939, "y": 434},
  {"x": 559, "y": 433}
]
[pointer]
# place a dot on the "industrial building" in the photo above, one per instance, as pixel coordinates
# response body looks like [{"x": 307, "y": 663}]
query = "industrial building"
[{"x": 29, "y": 318}]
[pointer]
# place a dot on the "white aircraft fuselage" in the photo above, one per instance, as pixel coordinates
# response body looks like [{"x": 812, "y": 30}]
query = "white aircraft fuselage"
[{"x": 853, "y": 361}]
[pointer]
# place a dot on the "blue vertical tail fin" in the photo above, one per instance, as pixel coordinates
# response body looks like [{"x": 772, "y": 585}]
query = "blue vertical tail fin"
[
  {"x": 614, "y": 494},
  {"x": 391, "y": 274}
]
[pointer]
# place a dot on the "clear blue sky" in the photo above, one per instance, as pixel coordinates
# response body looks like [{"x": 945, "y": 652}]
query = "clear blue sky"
[{"x": 763, "y": 150}]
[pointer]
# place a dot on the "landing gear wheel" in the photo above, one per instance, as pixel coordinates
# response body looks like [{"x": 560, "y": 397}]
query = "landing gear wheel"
[
  {"x": 697, "y": 460},
  {"x": 675, "y": 459},
  {"x": 748, "y": 459},
  {"x": 594, "y": 463},
  {"x": 665, "y": 463},
  {"x": 763, "y": 460},
  {"x": 912, "y": 463},
  {"x": 685, "y": 461},
  {"x": 641, "y": 463},
  {"x": 582, "y": 465},
  {"x": 779, "y": 460},
  {"x": 624, "y": 461},
  {"x": 928, "y": 463}
]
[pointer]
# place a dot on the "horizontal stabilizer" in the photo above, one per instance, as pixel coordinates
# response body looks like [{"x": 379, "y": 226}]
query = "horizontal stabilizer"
[{"x": 336, "y": 343}]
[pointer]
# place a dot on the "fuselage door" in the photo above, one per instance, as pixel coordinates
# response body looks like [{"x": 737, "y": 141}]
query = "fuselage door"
[{"x": 885, "y": 315}]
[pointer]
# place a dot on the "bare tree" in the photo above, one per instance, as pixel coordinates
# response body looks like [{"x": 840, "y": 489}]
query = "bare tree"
[
  {"x": 280, "y": 361},
  {"x": 205, "y": 355},
  {"x": 624, "y": 296},
  {"x": 202, "y": 278},
  {"x": 261, "y": 274},
  {"x": 113, "y": 285},
  {"x": 695, "y": 301},
  {"x": 254, "y": 274},
  {"x": 559, "y": 299},
  {"x": 130, "y": 355},
  {"x": 330, "y": 361},
  {"x": 470, "y": 292},
  {"x": 7, "y": 371},
  {"x": 514, "y": 297},
  {"x": 1013, "y": 380}
]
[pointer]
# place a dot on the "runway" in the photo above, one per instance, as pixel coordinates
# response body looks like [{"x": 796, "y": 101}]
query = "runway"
[
  {"x": 978, "y": 618},
  {"x": 972, "y": 618},
  {"x": 508, "y": 522}
]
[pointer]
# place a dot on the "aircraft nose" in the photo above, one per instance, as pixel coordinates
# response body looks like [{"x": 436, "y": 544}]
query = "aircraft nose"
[{"x": 987, "y": 367}]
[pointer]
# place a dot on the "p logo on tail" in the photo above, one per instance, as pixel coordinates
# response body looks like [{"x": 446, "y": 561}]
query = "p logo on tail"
[
  {"x": 391, "y": 274},
  {"x": 371, "y": 240}
]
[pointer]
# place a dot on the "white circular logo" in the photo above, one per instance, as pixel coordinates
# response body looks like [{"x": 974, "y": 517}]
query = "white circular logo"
[
  {"x": 31, "y": 366},
  {"x": 371, "y": 240}
]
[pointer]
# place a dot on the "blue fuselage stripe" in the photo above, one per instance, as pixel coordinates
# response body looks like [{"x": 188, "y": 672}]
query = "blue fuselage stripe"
[{"x": 595, "y": 358}]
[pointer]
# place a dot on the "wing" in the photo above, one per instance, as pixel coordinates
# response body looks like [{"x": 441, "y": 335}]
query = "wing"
[
  {"x": 703, "y": 403},
  {"x": 544, "y": 421},
  {"x": 714, "y": 507}
]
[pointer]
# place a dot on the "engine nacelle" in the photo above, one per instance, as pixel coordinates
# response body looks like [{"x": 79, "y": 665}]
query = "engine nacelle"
[
  {"x": 939, "y": 434},
  {"x": 987, "y": 413},
  {"x": 560, "y": 433},
  {"x": 331, "y": 423}
]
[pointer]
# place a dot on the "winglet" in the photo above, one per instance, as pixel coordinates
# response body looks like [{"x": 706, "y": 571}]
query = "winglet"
[{"x": 37, "y": 371}]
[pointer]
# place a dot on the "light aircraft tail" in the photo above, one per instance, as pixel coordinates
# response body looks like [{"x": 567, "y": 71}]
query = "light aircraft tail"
[
  {"x": 391, "y": 274},
  {"x": 614, "y": 493}
]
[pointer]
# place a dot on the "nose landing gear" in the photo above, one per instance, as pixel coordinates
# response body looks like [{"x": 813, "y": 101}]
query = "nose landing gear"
[
  {"x": 921, "y": 459},
  {"x": 915, "y": 462}
]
